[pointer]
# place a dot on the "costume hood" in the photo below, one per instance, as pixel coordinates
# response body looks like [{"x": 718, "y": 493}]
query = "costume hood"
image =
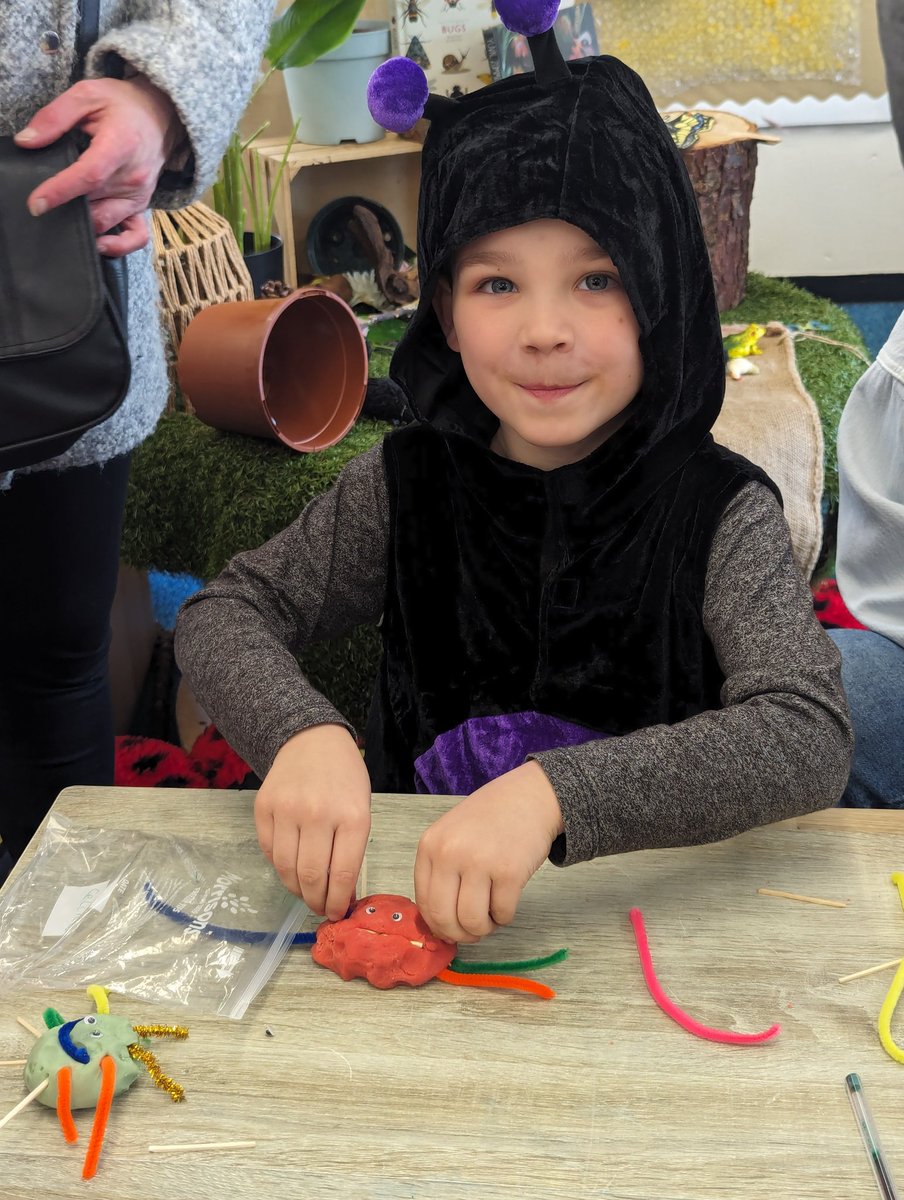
[
  {"x": 580, "y": 142},
  {"x": 525, "y": 609}
]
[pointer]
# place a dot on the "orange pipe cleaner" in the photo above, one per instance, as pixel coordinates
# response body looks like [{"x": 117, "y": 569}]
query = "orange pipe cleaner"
[
  {"x": 511, "y": 982},
  {"x": 101, "y": 1113},
  {"x": 64, "y": 1107}
]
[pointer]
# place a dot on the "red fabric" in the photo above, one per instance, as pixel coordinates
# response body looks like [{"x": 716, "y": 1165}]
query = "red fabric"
[
  {"x": 831, "y": 610},
  {"x": 150, "y": 762},
  {"x": 217, "y": 761}
]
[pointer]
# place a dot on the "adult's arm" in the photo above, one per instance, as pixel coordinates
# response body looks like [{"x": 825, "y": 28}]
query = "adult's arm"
[
  {"x": 205, "y": 56},
  {"x": 870, "y": 558},
  {"x": 162, "y": 93}
]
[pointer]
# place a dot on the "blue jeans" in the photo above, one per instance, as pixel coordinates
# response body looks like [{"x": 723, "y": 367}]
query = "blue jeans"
[{"x": 872, "y": 671}]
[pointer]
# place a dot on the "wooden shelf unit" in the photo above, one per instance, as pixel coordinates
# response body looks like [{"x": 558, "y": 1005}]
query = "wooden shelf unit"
[{"x": 304, "y": 157}]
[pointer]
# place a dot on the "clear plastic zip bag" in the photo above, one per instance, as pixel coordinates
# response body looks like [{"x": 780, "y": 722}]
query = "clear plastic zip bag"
[{"x": 159, "y": 917}]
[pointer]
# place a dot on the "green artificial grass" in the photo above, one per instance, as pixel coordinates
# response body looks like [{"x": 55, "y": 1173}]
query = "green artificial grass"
[
  {"x": 827, "y": 372},
  {"x": 197, "y": 495}
]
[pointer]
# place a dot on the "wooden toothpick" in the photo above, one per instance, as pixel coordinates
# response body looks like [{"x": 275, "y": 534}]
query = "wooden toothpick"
[
  {"x": 805, "y": 899},
  {"x": 31, "y": 1029},
  {"x": 892, "y": 962},
  {"x": 184, "y": 1147},
  {"x": 22, "y": 1103}
]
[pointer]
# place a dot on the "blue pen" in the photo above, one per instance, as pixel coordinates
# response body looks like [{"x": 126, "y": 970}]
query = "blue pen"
[{"x": 884, "y": 1181}]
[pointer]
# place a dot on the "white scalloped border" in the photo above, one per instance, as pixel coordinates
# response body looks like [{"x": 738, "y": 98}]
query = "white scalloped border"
[{"x": 835, "y": 110}]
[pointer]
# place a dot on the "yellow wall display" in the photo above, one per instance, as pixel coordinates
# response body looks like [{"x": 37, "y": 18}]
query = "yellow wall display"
[{"x": 688, "y": 43}]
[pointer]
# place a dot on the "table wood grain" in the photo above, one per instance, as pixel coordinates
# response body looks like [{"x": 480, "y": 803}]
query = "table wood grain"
[{"x": 447, "y": 1093}]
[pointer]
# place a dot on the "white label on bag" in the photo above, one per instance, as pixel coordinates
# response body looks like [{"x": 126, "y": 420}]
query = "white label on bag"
[{"x": 73, "y": 902}]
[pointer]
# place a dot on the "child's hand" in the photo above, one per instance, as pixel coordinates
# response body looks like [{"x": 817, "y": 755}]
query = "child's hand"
[
  {"x": 473, "y": 863},
  {"x": 312, "y": 815}
]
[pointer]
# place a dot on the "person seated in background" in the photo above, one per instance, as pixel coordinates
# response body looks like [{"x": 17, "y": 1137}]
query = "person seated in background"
[{"x": 869, "y": 568}]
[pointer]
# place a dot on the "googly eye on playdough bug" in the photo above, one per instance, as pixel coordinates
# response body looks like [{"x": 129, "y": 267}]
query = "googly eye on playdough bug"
[
  {"x": 396, "y": 916},
  {"x": 90, "y": 1020},
  {"x": 371, "y": 908},
  {"x": 96, "y": 1033}
]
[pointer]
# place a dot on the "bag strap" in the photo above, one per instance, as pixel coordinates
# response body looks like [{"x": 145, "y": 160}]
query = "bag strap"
[{"x": 86, "y": 34}]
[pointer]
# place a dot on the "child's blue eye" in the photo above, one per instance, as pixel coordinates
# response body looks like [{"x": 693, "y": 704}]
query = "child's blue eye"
[
  {"x": 596, "y": 283},
  {"x": 497, "y": 287}
]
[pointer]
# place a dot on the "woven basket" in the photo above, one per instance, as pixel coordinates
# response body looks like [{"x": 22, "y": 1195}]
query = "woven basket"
[{"x": 198, "y": 264}]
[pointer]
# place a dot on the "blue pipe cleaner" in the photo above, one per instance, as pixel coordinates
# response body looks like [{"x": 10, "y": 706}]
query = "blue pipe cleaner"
[
  {"x": 79, "y": 1053},
  {"x": 241, "y": 936}
]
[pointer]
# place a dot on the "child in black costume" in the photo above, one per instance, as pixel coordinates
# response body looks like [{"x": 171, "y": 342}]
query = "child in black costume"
[{"x": 593, "y": 628}]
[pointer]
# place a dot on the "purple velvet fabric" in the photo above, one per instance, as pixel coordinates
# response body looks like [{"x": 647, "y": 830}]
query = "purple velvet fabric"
[
  {"x": 397, "y": 93},
  {"x": 483, "y": 748},
  {"x": 529, "y": 17}
]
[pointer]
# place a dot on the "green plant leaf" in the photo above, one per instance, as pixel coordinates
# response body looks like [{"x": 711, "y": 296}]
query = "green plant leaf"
[{"x": 309, "y": 29}]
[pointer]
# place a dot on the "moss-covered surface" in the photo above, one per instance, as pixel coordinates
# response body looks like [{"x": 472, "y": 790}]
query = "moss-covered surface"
[
  {"x": 197, "y": 496},
  {"x": 827, "y": 372}
]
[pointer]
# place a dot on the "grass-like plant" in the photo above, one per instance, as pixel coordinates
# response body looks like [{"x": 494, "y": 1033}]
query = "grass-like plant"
[{"x": 307, "y": 30}]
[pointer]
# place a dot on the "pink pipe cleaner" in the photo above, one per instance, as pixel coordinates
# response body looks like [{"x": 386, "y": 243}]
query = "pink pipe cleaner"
[{"x": 672, "y": 1010}]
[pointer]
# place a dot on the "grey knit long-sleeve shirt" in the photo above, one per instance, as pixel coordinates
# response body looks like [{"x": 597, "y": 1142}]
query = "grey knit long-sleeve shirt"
[{"x": 780, "y": 745}]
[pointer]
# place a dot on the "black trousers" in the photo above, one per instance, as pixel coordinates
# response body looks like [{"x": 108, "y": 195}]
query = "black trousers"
[{"x": 59, "y": 560}]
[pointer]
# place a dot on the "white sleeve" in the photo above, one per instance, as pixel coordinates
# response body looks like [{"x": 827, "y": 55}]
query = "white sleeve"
[{"x": 870, "y": 557}]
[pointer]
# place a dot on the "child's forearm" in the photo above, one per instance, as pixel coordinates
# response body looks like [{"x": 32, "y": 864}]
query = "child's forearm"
[{"x": 780, "y": 745}]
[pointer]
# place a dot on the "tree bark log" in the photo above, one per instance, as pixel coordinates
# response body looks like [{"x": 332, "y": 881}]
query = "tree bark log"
[{"x": 723, "y": 181}]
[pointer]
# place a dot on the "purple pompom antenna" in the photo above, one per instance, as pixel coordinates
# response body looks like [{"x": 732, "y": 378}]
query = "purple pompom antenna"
[
  {"x": 397, "y": 94},
  {"x": 530, "y": 17}
]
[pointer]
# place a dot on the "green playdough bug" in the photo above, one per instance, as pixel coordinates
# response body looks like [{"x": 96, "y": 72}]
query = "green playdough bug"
[
  {"x": 95, "y": 1036},
  {"x": 86, "y": 1062}
]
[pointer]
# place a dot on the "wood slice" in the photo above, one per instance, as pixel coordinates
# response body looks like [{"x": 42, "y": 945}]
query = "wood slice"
[{"x": 721, "y": 159}]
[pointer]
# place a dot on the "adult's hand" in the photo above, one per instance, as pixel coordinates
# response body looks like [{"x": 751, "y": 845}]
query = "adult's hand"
[{"x": 133, "y": 128}]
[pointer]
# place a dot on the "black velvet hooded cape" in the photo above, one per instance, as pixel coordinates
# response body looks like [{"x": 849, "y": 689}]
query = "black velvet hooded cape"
[{"x": 576, "y": 592}]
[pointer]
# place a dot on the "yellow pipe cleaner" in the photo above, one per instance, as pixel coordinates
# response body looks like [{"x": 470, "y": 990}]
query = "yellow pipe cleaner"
[
  {"x": 175, "y": 1090},
  {"x": 173, "y": 1031},
  {"x": 99, "y": 996},
  {"x": 890, "y": 1003}
]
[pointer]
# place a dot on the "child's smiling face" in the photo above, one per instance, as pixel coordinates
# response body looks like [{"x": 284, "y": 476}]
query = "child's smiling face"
[{"x": 547, "y": 338}]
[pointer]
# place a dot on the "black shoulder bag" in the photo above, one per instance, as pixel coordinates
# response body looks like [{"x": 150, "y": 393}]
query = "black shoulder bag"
[{"x": 64, "y": 359}]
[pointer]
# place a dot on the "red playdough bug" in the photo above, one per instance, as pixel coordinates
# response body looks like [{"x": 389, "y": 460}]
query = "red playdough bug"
[{"x": 385, "y": 940}]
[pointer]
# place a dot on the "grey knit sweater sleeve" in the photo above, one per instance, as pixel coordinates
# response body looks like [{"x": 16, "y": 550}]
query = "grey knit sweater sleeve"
[
  {"x": 779, "y": 747},
  {"x": 237, "y": 639},
  {"x": 205, "y": 55}
]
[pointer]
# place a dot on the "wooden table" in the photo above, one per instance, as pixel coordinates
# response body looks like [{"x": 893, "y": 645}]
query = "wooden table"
[{"x": 449, "y": 1093}]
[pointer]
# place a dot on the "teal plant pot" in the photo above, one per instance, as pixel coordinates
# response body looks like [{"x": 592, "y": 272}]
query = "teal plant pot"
[{"x": 329, "y": 97}]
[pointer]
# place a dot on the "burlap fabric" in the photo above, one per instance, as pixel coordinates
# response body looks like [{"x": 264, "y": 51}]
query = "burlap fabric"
[{"x": 771, "y": 419}]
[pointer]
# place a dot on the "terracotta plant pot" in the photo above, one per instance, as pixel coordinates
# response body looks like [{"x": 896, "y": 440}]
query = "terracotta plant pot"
[{"x": 293, "y": 369}]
